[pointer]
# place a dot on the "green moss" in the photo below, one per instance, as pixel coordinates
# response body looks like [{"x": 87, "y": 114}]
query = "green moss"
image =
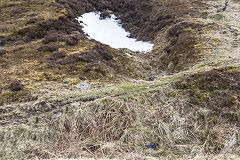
[
  {"x": 9, "y": 96},
  {"x": 199, "y": 97}
]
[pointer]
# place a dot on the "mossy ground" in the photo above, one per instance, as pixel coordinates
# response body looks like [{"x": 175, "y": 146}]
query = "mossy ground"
[
  {"x": 190, "y": 111},
  {"x": 15, "y": 14}
]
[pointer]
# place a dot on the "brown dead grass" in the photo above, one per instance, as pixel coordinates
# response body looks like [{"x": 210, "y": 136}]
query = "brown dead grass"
[
  {"x": 111, "y": 126},
  {"x": 196, "y": 118}
]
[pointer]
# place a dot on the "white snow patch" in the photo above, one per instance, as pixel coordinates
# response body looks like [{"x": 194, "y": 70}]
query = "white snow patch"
[{"x": 109, "y": 31}]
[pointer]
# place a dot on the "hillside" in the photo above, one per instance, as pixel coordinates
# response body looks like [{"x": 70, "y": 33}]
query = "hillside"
[{"x": 63, "y": 95}]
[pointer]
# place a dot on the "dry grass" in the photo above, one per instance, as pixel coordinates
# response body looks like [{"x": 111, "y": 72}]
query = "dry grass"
[
  {"x": 116, "y": 120},
  {"x": 115, "y": 127},
  {"x": 15, "y": 14}
]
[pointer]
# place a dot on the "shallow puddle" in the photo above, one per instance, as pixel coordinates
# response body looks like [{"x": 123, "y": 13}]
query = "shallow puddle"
[{"x": 109, "y": 31}]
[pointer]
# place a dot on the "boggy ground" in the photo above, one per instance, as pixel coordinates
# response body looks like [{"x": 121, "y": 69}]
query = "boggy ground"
[{"x": 182, "y": 98}]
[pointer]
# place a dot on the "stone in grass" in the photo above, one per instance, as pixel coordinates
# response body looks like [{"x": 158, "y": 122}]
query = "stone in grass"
[
  {"x": 75, "y": 104},
  {"x": 56, "y": 116},
  {"x": 82, "y": 85},
  {"x": 16, "y": 86},
  {"x": 128, "y": 55},
  {"x": 151, "y": 145}
]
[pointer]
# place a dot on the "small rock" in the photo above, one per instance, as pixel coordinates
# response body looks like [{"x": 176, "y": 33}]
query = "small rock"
[
  {"x": 151, "y": 145},
  {"x": 56, "y": 116},
  {"x": 151, "y": 78},
  {"x": 82, "y": 85},
  {"x": 16, "y": 86},
  {"x": 129, "y": 55},
  {"x": 75, "y": 104},
  {"x": 163, "y": 73}
]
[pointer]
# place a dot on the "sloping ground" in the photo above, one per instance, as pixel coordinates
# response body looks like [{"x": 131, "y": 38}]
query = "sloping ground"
[{"x": 181, "y": 101}]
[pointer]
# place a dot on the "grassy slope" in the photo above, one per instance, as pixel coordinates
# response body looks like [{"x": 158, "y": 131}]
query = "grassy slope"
[{"x": 179, "y": 112}]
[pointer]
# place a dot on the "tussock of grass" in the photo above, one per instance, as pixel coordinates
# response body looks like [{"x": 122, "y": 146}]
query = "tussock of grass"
[{"x": 108, "y": 127}]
